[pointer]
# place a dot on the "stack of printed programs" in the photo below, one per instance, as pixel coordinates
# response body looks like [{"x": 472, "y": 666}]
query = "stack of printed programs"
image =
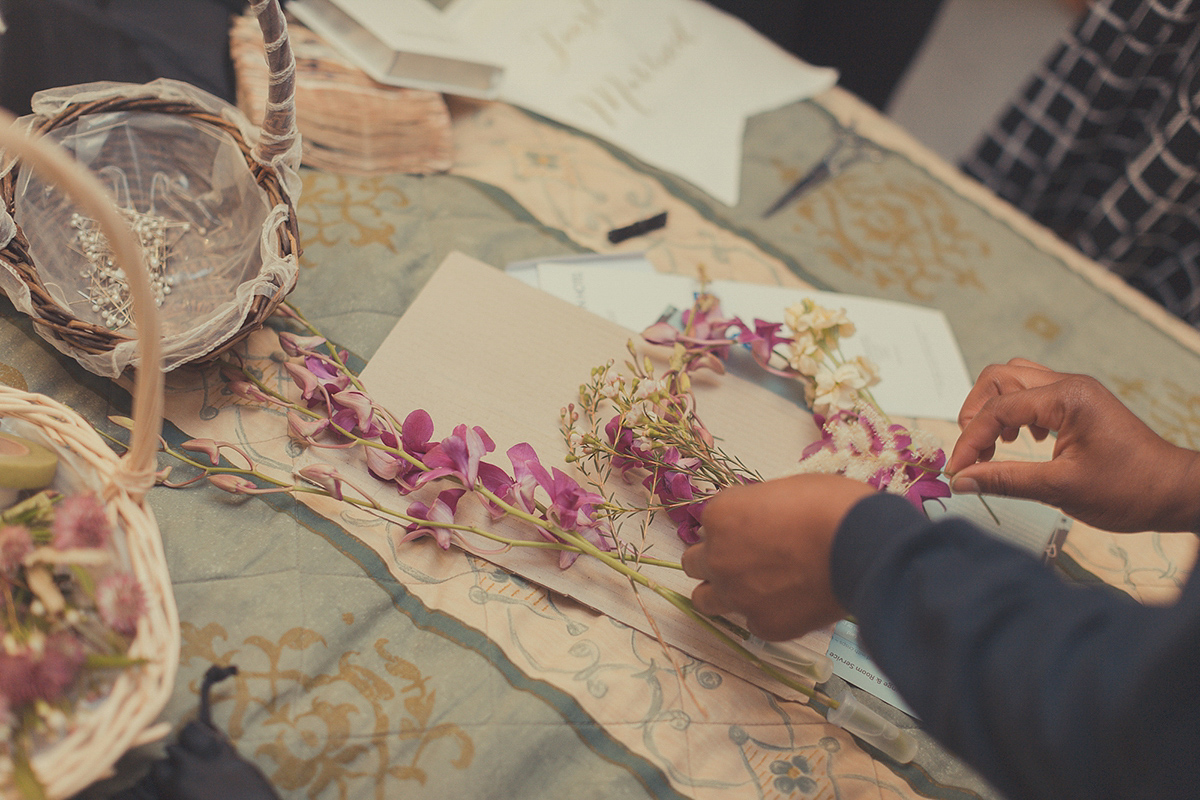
[{"x": 348, "y": 122}]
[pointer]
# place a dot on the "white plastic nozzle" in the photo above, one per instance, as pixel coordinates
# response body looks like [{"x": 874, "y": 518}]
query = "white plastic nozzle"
[
  {"x": 869, "y": 726},
  {"x": 795, "y": 658}
]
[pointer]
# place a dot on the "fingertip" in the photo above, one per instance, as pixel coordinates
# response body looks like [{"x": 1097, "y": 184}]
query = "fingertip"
[
  {"x": 964, "y": 484},
  {"x": 705, "y": 600}
]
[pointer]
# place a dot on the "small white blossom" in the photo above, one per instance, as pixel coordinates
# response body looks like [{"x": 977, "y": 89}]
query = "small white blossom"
[
  {"x": 805, "y": 356},
  {"x": 838, "y": 389},
  {"x": 824, "y": 325}
]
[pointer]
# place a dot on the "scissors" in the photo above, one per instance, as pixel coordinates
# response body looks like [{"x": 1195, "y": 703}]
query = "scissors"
[{"x": 847, "y": 149}]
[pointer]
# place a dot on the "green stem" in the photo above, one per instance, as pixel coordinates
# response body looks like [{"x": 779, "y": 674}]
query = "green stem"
[
  {"x": 23, "y": 776},
  {"x": 674, "y": 598}
]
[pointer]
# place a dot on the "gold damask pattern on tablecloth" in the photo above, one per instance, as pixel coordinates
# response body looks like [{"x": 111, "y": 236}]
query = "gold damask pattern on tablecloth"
[{"x": 336, "y": 729}]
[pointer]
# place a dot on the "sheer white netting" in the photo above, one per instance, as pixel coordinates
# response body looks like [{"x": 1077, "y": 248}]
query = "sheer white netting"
[{"x": 207, "y": 226}]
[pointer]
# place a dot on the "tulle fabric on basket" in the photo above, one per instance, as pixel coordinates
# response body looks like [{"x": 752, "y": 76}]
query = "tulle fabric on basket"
[{"x": 210, "y": 196}]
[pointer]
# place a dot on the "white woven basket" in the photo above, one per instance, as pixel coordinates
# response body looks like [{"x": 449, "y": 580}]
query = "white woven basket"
[{"x": 100, "y": 733}]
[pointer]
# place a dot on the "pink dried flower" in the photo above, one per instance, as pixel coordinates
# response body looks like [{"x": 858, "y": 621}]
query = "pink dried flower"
[
  {"x": 120, "y": 601},
  {"x": 60, "y": 663},
  {"x": 332, "y": 378},
  {"x": 414, "y": 439},
  {"x": 706, "y": 337},
  {"x": 248, "y": 391},
  {"x": 15, "y": 544},
  {"x": 306, "y": 429},
  {"x": 17, "y": 677},
  {"x": 352, "y": 410},
  {"x": 27, "y": 676},
  {"x": 571, "y": 508},
  {"x": 296, "y": 345},
  {"x": 310, "y": 385},
  {"x": 458, "y": 455},
  {"x": 209, "y": 447},
  {"x": 80, "y": 521},
  {"x": 324, "y": 476},
  {"x": 234, "y": 484}
]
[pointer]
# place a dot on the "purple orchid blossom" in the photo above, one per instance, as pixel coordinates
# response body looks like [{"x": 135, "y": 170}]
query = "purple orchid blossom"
[
  {"x": 705, "y": 336},
  {"x": 353, "y": 411},
  {"x": 762, "y": 342},
  {"x": 571, "y": 508},
  {"x": 673, "y": 487},
  {"x": 458, "y": 455},
  {"x": 628, "y": 456},
  {"x": 311, "y": 391},
  {"x": 415, "y": 434},
  {"x": 328, "y": 373},
  {"x": 441, "y": 510}
]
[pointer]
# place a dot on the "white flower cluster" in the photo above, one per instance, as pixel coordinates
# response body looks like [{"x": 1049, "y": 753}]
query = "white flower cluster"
[
  {"x": 862, "y": 445},
  {"x": 835, "y": 384}
]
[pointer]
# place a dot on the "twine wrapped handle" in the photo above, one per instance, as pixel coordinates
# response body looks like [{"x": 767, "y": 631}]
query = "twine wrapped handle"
[
  {"x": 279, "y": 122},
  {"x": 85, "y": 189}
]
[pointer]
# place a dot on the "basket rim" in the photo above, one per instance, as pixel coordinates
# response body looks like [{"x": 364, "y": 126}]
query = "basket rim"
[{"x": 125, "y": 716}]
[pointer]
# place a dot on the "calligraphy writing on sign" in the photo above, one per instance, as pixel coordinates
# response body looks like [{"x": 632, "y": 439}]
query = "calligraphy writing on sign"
[
  {"x": 619, "y": 93},
  {"x": 587, "y": 20}
]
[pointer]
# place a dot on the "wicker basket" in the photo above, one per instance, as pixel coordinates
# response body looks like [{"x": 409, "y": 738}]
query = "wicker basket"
[
  {"x": 231, "y": 284},
  {"x": 124, "y": 717}
]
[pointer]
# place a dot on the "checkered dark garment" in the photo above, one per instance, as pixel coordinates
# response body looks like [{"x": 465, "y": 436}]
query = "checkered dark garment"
[{"x": 1103, "y": 146}]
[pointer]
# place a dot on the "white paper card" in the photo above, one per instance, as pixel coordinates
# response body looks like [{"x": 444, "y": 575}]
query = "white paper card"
[
  {"x": 922, "y": 372},
  {"x": 527, "y": 271},
  {"x": 635, "y": 304}
]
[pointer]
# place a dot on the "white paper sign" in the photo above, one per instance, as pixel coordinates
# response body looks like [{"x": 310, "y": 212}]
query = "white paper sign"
[{"x": 670, "y": 81}]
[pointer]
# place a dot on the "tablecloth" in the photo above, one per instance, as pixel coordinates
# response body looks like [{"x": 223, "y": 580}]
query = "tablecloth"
[{"x": 374, "y": 673}]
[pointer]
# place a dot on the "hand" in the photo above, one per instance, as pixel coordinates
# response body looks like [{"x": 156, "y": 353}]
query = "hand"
[
  {"x": 1109, "y": 469},
  {"x": 765, "y": 553}
]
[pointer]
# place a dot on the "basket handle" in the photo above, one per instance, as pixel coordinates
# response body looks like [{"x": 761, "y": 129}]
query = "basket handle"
[
  {"x": 279, "y": 122},
  {"x": 85, "y": 189}
]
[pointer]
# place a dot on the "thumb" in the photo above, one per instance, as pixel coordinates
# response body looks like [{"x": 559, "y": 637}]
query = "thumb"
[{"x": 1004, "y": 478}]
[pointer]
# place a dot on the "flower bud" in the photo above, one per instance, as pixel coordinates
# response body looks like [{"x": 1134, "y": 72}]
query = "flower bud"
[
  {"x": 295, "y": 345},
  {"x": 234, "y": 484},
  {"x": 324, "y": 476}
]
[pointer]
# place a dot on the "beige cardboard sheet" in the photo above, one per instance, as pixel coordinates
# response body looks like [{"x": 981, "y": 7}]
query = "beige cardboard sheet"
[{"x": 481, "y": 348}]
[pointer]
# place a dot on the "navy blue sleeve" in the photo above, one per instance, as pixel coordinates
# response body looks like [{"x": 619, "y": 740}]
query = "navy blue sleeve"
[{"x": 1049, "y": 690}]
